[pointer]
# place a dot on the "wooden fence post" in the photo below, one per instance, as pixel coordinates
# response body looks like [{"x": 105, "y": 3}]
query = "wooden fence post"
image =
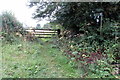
[{"x": 58, "y": 32}]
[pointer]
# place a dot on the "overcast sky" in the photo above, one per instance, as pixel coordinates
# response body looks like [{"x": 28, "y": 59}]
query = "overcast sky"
[{"x": 22, "y": 12}]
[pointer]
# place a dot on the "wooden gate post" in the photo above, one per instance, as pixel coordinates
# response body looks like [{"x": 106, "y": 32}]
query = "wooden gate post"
[{"x": 58, "y": 32}]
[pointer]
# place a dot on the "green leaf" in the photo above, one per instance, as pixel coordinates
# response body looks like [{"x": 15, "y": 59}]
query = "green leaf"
[{"x": 75, "y": 52}]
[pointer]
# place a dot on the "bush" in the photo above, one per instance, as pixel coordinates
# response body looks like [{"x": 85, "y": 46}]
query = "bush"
[
  {"x": 10, "y": 25},
  {"x": 94, "y": 52}
]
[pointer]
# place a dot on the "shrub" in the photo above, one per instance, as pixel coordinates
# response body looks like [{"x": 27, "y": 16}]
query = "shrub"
[
  {"x": 10, "y": 25},
  {"x": 94, "y": 52}
]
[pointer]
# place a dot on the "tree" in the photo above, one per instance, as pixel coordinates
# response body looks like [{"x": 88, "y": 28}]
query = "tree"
[
  {"x": 47, "y": 26},
  {"x": 10, "y": 23},
  {"x": 38, "y": 26},
  {"x": 0, "y": 23},
  {"x": 74, "y": 15}
]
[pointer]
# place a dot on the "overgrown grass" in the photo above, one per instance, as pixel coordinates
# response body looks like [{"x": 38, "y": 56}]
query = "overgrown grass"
[{"x": 33, "y": 60}]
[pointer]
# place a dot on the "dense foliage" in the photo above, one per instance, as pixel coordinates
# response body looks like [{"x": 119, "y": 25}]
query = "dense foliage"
[
  {"x": 75, "y": 15},
  {"x": 10, "y": 25},
  {"x": 94, "y": 53}
]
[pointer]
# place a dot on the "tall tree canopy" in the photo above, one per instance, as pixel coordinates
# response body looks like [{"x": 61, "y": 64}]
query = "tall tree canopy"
[{"x": 73, "y": 15}]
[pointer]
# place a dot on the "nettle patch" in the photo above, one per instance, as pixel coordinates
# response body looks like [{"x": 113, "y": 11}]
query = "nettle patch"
[
  {"x": 91, "y": 57},
  {"x": 93, "y": 63}
]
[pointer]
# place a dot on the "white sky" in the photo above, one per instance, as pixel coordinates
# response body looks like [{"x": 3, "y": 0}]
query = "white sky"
[{"x": 22, "y": 12}]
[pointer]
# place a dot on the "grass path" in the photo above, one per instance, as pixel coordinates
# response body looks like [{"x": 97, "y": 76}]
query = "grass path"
[{"x": 33, "y": 60}]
